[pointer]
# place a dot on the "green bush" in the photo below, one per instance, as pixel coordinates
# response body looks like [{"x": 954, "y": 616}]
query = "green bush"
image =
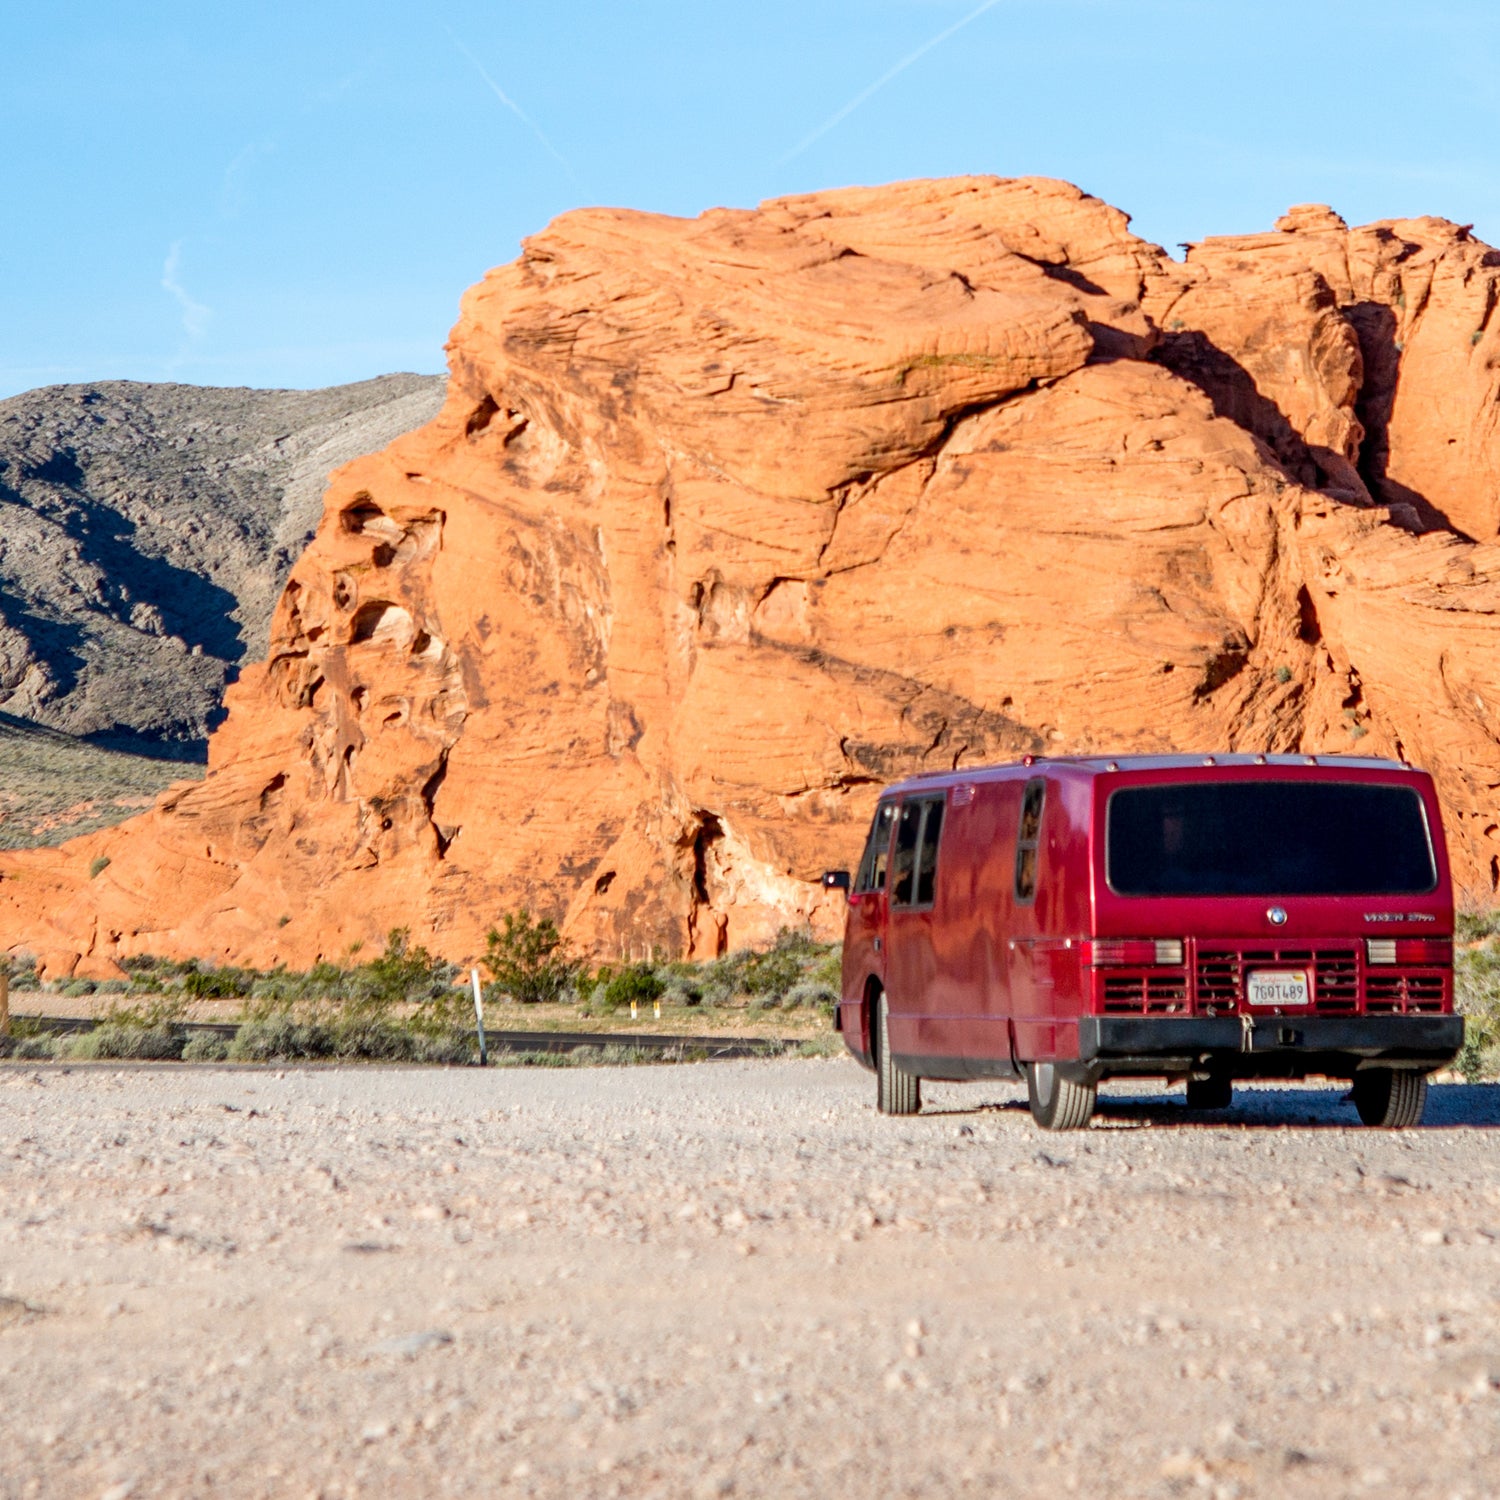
[
  {"x": 636, "y": 983},
  {"x": 529, "y": 959},
  {"x": 405, "y": 974},
  {"x": 218, "y": 984}
]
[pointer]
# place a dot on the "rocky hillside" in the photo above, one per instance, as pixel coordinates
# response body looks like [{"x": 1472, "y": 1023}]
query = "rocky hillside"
[
  {"x": 147, "y": 531},
  {"x": 727, "y": 521}
]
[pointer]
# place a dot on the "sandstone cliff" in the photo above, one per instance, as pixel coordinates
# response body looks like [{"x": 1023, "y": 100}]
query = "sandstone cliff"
[{"x": 725, "y": 522}]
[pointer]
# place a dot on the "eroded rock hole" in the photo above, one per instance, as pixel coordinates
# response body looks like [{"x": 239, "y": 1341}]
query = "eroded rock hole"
[
  {"x": 361, "y": 515},
  {"x": 380, "y": 620},
  {"x": 481, "y": 417},
  {"x": 709, "y": 832},
  {"x": 1308, "y": 628},
  {"x": 604, "y": 882}
]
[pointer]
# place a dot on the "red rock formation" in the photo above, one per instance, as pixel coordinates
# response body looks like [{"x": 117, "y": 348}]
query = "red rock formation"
[{"x": 728, "y": 521}]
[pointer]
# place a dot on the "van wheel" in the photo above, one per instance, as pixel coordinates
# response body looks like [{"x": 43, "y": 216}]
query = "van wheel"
[
  {"x": 1214, "y": 1092},
  {"x": 1058, "y": 1103},
  {"x": 897, "y": 1092},
  {"x": 1393, "y": 1098}
]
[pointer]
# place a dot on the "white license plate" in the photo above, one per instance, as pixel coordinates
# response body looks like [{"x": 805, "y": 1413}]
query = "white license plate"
[{"x": 1278, "y": 987}]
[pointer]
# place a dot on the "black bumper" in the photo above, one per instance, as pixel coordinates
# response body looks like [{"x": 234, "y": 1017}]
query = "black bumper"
[{"x": 1274, "y": 1045}]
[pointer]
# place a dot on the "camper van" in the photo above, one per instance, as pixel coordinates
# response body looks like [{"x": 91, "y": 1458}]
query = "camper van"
[{"x": 1198, "y": 918}]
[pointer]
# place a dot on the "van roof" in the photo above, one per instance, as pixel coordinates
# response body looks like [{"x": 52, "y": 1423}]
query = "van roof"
[{"x": 1093, "y": 765}]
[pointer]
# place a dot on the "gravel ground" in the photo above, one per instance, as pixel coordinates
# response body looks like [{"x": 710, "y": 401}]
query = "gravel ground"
[{"x": 734, "y": 1278}]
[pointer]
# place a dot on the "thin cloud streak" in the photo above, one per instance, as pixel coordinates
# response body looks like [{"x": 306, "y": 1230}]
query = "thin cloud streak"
[
  {"x": 516, "y": 109},
  {"x": 195, "y": 315},
  {"x": 885, "y": 78}
]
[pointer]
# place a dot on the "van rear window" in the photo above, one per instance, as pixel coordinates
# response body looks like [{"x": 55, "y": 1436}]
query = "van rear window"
[{"x": 1268, "y": 838}]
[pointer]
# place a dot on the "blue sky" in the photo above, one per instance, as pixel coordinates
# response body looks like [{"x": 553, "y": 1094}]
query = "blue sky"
[{"x": 297, "y": 194}]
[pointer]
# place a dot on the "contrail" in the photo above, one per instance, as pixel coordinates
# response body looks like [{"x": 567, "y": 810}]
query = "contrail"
[
  {"x": 515, "y": 108},
  {"x": 884, "y": 79},
  {"x": 195, "y": 315}
]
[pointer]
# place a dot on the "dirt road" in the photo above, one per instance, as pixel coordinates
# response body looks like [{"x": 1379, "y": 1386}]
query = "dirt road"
[{"x": 734, "y": 1278}]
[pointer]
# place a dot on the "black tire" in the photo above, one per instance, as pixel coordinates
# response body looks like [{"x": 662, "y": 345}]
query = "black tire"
[
  {"x": 1390, "y": 1098},
  {"x": 1058, "y": 1103},
  {"x": 897, "y": 1092},
  {"x": 1214, "y": 1092}
]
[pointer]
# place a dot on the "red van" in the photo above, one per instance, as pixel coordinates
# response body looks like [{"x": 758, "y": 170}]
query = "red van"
[{"x": 1206, "y": 918}]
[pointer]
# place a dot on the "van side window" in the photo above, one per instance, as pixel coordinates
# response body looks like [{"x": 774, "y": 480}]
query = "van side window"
[
  {"x": 1028, "y": 839},
  {"x": 872, "y": 866},
  {"x": 927, "y": 854},
  {"x": 904, "y": 873},
  {"x": 914, "y": 877}
]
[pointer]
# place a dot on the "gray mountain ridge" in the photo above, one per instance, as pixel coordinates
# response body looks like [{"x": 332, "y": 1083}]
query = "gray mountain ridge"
[{"x": 146, "y": 531}]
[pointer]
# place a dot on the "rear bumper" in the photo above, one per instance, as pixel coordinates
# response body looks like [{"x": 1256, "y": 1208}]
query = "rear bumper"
[{"x": 1273, "y": 1046}]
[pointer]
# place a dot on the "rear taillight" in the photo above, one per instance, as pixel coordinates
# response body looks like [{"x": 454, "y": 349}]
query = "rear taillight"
[
  {"x": 1420, "y": 951},
  {"x": 1131, "y": 952}
]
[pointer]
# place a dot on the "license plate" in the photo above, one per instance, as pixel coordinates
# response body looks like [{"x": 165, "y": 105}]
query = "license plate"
[{"x": 1278, "y": 987}]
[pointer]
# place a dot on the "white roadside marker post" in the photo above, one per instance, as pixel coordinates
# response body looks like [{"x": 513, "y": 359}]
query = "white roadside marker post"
[{"x": 484, "y": 1056}]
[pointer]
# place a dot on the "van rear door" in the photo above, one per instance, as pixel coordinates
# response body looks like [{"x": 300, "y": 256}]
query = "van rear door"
[{"x": 1031, "y": 996}]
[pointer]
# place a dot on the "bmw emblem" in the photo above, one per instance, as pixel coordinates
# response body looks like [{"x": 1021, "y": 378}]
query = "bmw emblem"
[{"x": 1276, "y": 916}]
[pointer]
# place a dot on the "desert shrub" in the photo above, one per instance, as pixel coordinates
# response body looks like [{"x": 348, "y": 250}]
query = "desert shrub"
[
  {"x": 528, "y": 958},
  {"x": 679, "y": 989},
  {"x": 375, "y": 1040},
  {"x": 826, "y": 1045},
  {"x": 36, "y": 1048},
  {"x": 22, "y": 970},
  {"x": 1476, "y": 985},
  {"x": 205, "y": 1046},
  {"x": 813, "y": 995},
  {"x": 157, "y": 1013},
  {"x": 535, "y": 1059},
  {"x": 98, "y": 865},
  {"x": 218, "y": 984},
  {"x": 404, "y": 974},
  {"x": 278, "y": 1038},
  {"x": 455, "y": 1049},
  {"x": 828, "y": 967},
  {"x": 793, "y": 957},
  {"x": 636, "y": 983},
  {"x": 129, "y": 1043},
  {"x": 28, "y": 1046},
  {"x": 1476, "y": 925},
  {"x": 75, "y": 988}
]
